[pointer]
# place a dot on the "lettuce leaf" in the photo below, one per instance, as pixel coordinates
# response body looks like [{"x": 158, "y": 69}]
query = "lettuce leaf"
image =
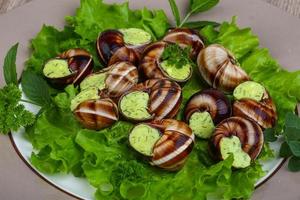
[{"x": 94, "y": 16}]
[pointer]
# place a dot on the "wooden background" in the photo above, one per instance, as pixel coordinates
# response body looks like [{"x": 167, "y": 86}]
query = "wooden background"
[{"x": 290, "y": 6}]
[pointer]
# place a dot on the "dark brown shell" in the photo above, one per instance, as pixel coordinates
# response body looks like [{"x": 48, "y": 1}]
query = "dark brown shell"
[
  {"x": 125, "y": 54},
  {"x": 97, "y": 114},
  {"x": 263, "y": 112},
  {"x": 80, "y": 64},
  {"x": 165, "y": 97},
  {"x": 219, "y": 69},
  {"x": 121, "y": 77},
  {"x": 210, "y": 100},
  {"x": 172, "y": 149},
  {"x": 185, "y": 37},
  {"x": 249, "y": 133}
]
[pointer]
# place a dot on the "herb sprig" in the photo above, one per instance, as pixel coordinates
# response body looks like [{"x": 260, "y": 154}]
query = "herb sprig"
[{"x": 176, "y": 56}]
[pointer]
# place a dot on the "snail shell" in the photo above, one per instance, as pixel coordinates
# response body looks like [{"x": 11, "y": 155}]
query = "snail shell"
[
  {"x": 248, "y": 132},
  {"x": 80, "y": 63},
  {"x": 97, "y": 114},
  {"x": 219, "y": 68},
  {"x": 172, "y": 149},
  {"x": 185, "y": 37},
  {"x": 262, "y": 112},
  {"x": 121, "y": 77},
  {"x": 210, "y": 100}
]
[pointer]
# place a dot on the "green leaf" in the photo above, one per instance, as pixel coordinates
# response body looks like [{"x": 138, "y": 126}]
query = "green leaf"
[
  {"x": 294, "y": 164},
  {"x": 175, "y": 11},
  {"x": 269, "y": 135},
  {"x": 9, "y": 66},
  {"x": 197, "y": 6},
  {"x": 285, "y": 150},
  {"x": 35, "y": 88},
  {"x": 63, "y": 100},
  {"x": 295, "y": 147},
  {"x": 200, "y": 24}
]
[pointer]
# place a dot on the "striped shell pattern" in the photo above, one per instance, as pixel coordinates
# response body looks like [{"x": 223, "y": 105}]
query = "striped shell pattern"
[
  {"x": 172, "y": 149},
  {"x": 262, "y": 112},
  {"x": 219, "y": 69},
  {"x": 97, "y": 114},
  {"x": 248, "y": 132}
]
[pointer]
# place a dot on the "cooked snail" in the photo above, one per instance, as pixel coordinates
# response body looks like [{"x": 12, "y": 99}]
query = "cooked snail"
[
  {"x": 69, "y": 67},
  {"x": 219, "y": 68},
  {"x": 167, "y": 142},
  {"x": 238, "y": 136},
  {"x": 185, "y": 37},
  {"x": 152, "y": 99},
  {"x": 153, "y": 66},
  {"x": 122, "y": 45},
  {"x": 206, "y": 109},
  {"x": 254, "y": 102}
]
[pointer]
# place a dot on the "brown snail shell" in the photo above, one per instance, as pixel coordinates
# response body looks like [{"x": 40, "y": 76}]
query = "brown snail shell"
[
  {"x": 150, "y": 63},
  {"x": 248, "y": 132},
  {"x": 80, "y": 63},
  {"x": 219, "y": 68},
  {"x": 262, "y": 112},
  {"x": 97, "y": 114},
  {"x": 165, "y": 98},
  {"x": 121, "y": 77},
  {"x": 185, "y": 37},
  {"x": 112, "y": 48},
  {"x": 210, "y": 100},
  {"x": 172, "y": 149}
]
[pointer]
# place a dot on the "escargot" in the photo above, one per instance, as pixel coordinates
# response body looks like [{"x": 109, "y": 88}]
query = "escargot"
[
  {"x": 219, "y": 68},
  {"x": 153, "y": 66},
  {"x": 152, "y": 99},
  {"x": 122, "y": 45},
  {"x": 70, "y": 67},
  {"x": 254, "y": 102},
  {"x": 205, "y": 109},
  {"x": 185, "y": 37},
  {"x": 166, "y": 142},
  {"x": 97, "y": 114},
  {"x": 241, "y": 137}
]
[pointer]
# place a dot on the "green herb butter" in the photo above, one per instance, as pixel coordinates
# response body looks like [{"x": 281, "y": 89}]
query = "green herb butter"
[
  {"x": 202, "y": 124},
  {"x": 56, "y": 68},
  {"x": 249, "y": 90},
  {"x": 94, "y": 80},
  {"x": 143, "y": 138},
  {"x": 232, "y": 146},
  {"x": 88, "y": 94},
  {"x": 179, "y": 73},
  {"x": 135, "y": 36},
  {"x": 135, "y": 105}
]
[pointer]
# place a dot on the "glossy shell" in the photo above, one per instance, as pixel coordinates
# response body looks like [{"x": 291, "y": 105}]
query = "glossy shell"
[
  {"x": 249, "y": 133},
  {"x": 97, "y": 114},
  {"x": 262, "y": 112},
  {"x": 111, "y": 48},
  {"x": 80, "y": 64},
  {"x": 121, "y": 77},
  {"x": 210, "y": 100},
  {"x": 219, "y": 68},
  {"x": 172, "y": 149},
  {"x": 165, "y": 97},
  {"x": 185, "y": 37}
]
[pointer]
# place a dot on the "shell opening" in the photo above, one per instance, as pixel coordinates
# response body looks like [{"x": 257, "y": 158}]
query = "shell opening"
[
  {"x": 95, "y": 80},
  {"x": 88, "y": 94},
  {"x": 202, "y": 124},
  {"x": 249, "y": 90},
  {"x": 135, "y": 36},
  {"x": 56, "y": 68}
]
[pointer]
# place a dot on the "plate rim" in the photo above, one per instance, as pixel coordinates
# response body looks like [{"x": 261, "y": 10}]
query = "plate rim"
[{"x": 35, "y": 171}]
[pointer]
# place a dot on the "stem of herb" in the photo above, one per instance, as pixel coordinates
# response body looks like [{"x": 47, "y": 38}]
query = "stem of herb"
[
  {"x": 27, "y": 101},
  {"x": 185, "y": 19}
]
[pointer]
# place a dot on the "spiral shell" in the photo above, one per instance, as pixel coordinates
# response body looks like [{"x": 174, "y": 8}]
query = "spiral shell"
[
  {"x": 262, "y": 112},
  {"x": 219, "y": 69},
  {"x": 185, "y": 37},
  {"x": 80, "y": 63},
  {"x": 97, "y": 114},
  {"x": 165, "y": 98},
  {"x": 248, "y": 132},
  {"x": 172, "y": 149},
  {"x": 121, "y": 77},
  {"x": 210, "y": 100}
]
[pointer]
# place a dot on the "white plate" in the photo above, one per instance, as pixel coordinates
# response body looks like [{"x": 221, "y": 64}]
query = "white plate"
[{"x": 80, "y": 188}]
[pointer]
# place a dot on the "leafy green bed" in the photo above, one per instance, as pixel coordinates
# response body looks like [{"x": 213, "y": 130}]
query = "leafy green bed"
[{"x": 104, "y": 157}]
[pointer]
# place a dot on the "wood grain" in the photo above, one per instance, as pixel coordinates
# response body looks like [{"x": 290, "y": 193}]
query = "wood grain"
[{"x": 290, "y": 6}]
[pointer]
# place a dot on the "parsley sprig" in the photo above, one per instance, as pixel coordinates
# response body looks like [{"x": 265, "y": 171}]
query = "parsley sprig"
[{"x": 176, "y": 56}]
